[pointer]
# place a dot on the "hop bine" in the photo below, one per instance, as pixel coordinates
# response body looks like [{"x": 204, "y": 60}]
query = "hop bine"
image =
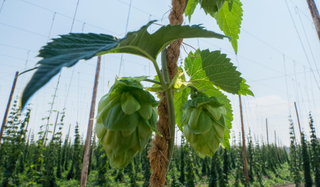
[
  {"x": 126, "y": 118},
  {"x": 204, "y": 123}
]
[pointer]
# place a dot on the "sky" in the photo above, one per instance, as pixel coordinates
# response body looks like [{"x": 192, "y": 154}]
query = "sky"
[{"x": 278, "y": 55}]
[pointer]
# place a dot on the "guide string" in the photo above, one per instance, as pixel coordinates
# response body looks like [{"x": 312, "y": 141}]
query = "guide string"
[
  {"x": 285, "y": 73},
  {"x": 74, "y": 17},
  {"x": 2, "y": 5},
  {"x": 314, "y": 61},
  {"x": 295, "y": 26},
  {"x": 121, "y": 60},
  {"x": 54, "y": 15}
]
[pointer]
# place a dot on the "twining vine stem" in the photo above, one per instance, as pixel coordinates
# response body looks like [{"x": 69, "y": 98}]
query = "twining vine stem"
[{"x": 170, "y": 103}]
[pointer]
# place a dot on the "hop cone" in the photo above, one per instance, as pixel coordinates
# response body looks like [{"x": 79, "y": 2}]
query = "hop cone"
[
  {"x": 204, "y": 123},
  {"x": 125, "y": 120}
]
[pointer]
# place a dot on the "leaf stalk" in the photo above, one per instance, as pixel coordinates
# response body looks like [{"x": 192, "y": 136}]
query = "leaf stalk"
[
  {"x": 153, "y": 81},
  {"x": 162, "y": 81}
]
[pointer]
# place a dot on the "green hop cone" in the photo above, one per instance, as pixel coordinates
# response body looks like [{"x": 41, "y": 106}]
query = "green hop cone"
[
  {"x": 204, "y": 123},
  {"x": 125, "y": 120}
]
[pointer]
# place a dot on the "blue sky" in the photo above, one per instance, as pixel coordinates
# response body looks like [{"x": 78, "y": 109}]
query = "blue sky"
[{"x": 269, "y": 49}]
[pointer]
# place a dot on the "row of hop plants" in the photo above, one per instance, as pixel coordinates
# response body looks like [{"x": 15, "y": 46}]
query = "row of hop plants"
[
  {"x": 305, "y": 156},
  {"x": 53, "y": 161},
  {"x": 225, "y": 168}
]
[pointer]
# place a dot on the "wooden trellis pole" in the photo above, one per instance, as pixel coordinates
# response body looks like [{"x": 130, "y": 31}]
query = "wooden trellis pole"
[
  {"x": 86, "y": 156},
  {"x": 295, "y": 106},
  {"x": 275, "y": 138},
  {"x": 315, "y": 15},
  {"x": 267, "y": 131},
  {"x": 4, "y": 121},
  {"x": 244, "y": 152},
  {"x": 55, "y": 125}
]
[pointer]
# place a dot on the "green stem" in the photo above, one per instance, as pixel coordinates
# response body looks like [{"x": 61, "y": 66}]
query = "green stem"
[
  {"x": 170, "y": 104},
  {"x": 153, "y": 81},
  {"x": 162, "y": 81}
]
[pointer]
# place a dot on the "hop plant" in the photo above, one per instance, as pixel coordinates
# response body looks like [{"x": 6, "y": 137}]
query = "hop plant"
[
  {"x": 125, "y": 120},
  {"x": 204, "y": 123}
]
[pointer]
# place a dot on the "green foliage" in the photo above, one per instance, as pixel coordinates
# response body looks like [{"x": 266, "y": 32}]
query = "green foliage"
[
  {"x": 59, "y": 168},
  {"x": 219, "y": 167},
  {"x": 132, "y": 175},
  {"x": 49, "y": 177},
  {"x": 229, "y": 21},
  {"x": 306, "y": 162},
  {"x": 203, "y": 167},
  {"x": 224, "y": 182},
  {"x": 197, "y": 165},
  {"x": 191, "y": 6},
  {"x": 209, "y": 6},
  {"x": 245, "y": 89},
  {"x": 57, "y": 54},
  {"x": 216, "y": 68},
  {"x": 58, "y": 143},
  {"x": 75, "y": 170},
  {"x": 227, "y": 14},
  {"x": 77, "y": 154},
  {"x": 257, "y": 166},
  {"x": 64, "y": 152},
  {"x": 213, "y": 182},
  {"x": 97, "y": 154},
  {"x": 182, "y": 161},
  {"x": 13, "y": 140},
  {"x": 146, "y": 168},
  {"x": 250, "y": 157},
  {"x": 240, "y": 178},
  {"x": 190, "y": 177},
  {"x": 102, "y": 178},
  {"x": 315, "y": 154},
  {"x": 173, "y": 173},
  {"x": 294, "y": 162},
  {"x": 68, "y": 155},
  {"x": 120, "y": 176}
]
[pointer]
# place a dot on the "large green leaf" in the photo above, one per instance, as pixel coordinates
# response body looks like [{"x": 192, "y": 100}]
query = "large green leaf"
[
  {"x": 228, "y": 14},
  {"x": 229, "y": 21},
  {"x": 69, "y": 49},
  {"x": 191, "y": 6},
  {"x": 194, "y": 69},
  {"x": 245, "y": 89},
  {"x": 208, "y": 6},
  {"x": 211, "y": 6},
  {"x": 219, "y": 70}
]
